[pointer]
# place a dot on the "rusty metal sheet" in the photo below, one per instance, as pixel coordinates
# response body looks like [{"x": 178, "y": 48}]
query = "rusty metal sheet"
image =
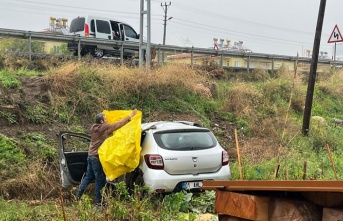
[{"x": 275, "y": 185}]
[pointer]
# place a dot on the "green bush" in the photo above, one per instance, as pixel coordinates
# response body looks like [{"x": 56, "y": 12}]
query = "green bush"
[
  {"x": 38, "y": 114},
  {"x": 39, "y": 147},
  {"x": 9, "y": 151},
  {"x": 11, "y": 158}
]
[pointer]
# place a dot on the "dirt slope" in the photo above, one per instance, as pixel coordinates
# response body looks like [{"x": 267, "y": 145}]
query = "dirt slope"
[
  {"x": 35, "y": 91},
  {"x": 14, "y": 122}
]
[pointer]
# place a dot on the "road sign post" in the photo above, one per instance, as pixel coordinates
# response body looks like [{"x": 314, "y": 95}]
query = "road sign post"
[{"x": 334, "y": 38}]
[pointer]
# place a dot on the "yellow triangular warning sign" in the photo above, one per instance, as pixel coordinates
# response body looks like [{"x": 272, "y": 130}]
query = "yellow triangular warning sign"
[{"x": 335, "y": 36}]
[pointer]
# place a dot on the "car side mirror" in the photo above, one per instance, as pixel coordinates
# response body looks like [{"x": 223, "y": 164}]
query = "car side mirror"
[{"x": 138, "y": 36}]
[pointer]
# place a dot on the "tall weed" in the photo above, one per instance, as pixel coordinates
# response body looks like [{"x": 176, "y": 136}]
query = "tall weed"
[
  {"x": 8, "y": 79},
  {"x": 90, "y": 90}
]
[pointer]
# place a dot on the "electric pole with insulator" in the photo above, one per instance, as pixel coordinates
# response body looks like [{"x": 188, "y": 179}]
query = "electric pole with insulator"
[
  {"x": 313, "y": 69},
  {"x": 165, "y": 9}
]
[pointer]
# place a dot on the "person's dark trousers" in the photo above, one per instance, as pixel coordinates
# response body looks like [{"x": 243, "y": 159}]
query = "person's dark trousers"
[{"x": 94, "y": 172}]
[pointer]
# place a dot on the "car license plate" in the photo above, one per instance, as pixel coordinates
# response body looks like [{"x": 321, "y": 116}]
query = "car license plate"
[{"x": 191, "y": 185}]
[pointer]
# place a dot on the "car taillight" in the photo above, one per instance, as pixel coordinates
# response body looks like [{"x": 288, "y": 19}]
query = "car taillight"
[
  {"x": 154, "y": 161},
  {"x": 225, "y": 158},
  {"x": 86, "y": 30}
]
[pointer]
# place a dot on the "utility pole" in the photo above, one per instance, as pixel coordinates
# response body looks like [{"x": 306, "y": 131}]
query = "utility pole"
[
  {"x": 142, "y": 47},
  {"x": 165, "y": 9},
  {"x": 313, "y": 69}
]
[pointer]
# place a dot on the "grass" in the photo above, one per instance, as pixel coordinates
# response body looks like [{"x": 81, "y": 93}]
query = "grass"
[
  {"x": 41, "y": 148},
  {"x": 26, "y": 211},
  {"x": 121, "y": 206},
  {"x": 10, "y": 152},
  {"x": 90, "y": 90},
  {"x": 38, "y": 114},
  {"x": 12, "y": 158},
  {"x": 11, "y": 118},
  {"x": 9, "y": 79}
]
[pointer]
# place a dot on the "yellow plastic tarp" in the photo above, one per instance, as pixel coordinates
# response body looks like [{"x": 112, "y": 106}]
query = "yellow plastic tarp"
[{"x": 120, "y": 153}]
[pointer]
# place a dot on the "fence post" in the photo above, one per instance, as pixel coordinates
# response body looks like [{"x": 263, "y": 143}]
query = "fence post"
[
  {"x": 273, "y": 65},
  {"x": 122, "y": 54},
  {"x": 192, "y": 57},
  {"x": 30, "y": 46},
  {"x": 221, "y": 60},
  {"x": 159, "y": 55},
  {"x": 248, "y": 64},
  {"x": 79, "y": 50}
]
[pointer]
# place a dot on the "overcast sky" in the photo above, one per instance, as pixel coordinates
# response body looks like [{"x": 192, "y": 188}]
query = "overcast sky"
[{"x": 283, "y": 27}]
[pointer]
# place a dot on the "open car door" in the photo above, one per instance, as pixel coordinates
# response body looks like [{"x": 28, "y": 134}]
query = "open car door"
[{"x": 73, "y": 152}]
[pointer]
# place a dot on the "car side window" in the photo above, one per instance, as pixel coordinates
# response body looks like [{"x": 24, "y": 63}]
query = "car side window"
[
  {"x": 143, "y": 137},
  {"x": 92, "y": 26},
  {"x": 115, "y": 29},
  {"x": 129, "y": 32},
  {"x": 75, "y": 143},
  {"x": 103, "y": 27}
]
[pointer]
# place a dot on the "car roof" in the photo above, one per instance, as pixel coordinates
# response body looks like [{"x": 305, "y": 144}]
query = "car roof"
[
  {"x": 102, "y": 18},
  {"x": 169, "y": 125}
]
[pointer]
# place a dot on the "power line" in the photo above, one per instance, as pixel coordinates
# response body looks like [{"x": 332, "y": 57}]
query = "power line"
[
  {"x": 178, "y": 5},
  {"x": 255, "y": 24},
  {"x": 69, "y": 10},
  {"x": 77, "y": 7},
  {"x": 234, "y": 31},
  {"x": 39, "y": 7},
  {"x": 252, "y": 38}
]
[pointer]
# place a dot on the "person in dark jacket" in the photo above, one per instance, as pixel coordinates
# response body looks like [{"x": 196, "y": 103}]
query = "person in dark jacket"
[{"x": 100, "y": 131}]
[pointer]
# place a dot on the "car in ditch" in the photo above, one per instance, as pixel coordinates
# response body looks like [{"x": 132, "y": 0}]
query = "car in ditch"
[{"x": 175, "y": 156}]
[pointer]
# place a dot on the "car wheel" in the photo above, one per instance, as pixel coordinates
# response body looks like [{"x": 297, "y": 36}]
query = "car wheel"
[
  {"x": 134, "y": 178},
  {"x": 98, "y": 53}
]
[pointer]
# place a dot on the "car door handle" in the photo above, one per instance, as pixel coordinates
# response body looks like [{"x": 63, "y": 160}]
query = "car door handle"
[
  {"x": 127, "y": 39},
  {"x": 92, "y": 34}
]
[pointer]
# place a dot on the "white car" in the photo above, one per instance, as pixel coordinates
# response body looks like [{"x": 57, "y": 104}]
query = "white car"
[
  {"x": 175, "y": 156},
  {"x": 102, "y": 28}
]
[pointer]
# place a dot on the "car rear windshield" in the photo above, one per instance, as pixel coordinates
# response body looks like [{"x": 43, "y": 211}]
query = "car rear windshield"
[
  {"x": 185, "y": 140},
  {"x": 77, "y": 24}
]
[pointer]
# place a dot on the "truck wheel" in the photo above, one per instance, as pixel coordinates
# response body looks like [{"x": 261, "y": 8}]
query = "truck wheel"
[{"x": 98, "y": 53}]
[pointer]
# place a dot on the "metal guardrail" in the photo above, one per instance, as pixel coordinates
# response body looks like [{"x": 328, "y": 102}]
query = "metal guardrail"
[{"x": 158, "y": 47}]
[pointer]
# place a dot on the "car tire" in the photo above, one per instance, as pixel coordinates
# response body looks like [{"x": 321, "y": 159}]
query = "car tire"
[
  {"x": 98, "y": 53},
  {"x": 134, "y": 178}
]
